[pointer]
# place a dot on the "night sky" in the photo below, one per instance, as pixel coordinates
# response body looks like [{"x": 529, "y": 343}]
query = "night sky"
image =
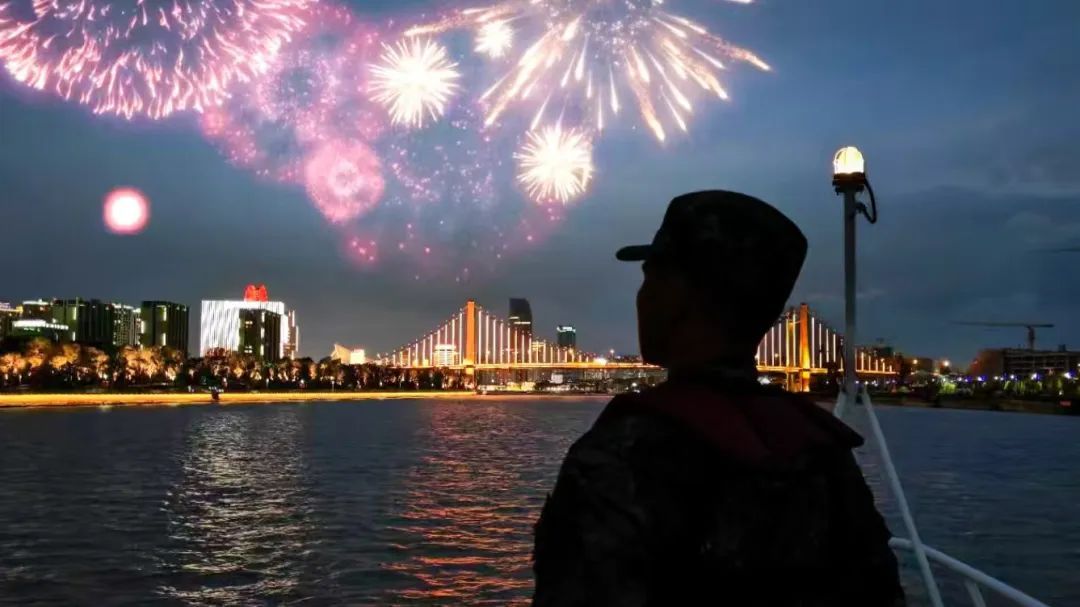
[{"x": 965, "y": 109}]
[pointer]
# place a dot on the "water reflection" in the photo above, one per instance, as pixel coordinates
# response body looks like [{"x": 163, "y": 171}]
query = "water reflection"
[
  {"x": 465, "y": 512},
  {"x": 238, "y": 517}
]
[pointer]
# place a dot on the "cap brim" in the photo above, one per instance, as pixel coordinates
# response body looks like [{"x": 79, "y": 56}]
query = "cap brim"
[{"x": 637, "y": 252}]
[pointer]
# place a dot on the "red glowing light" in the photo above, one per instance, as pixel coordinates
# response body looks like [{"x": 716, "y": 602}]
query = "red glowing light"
[
  {"x": 126, "y": 211},
  {"x": 256, "y": 293}
]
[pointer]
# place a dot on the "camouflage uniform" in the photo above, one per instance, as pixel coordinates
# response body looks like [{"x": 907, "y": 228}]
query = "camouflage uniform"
[{"x": 713, "y": 490}]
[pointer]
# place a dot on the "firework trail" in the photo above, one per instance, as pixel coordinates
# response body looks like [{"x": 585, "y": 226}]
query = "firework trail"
[
  {"x": 415, "y": 80},
  {"x": 590, "y": 59},
  {"x": 312, "y": 92},
  {"x": 144, "y": 58}
]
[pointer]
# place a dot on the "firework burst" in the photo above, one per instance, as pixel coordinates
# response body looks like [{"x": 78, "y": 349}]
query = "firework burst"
[
  {"x": 494, "y": 39},
  {"x": 313, "y": 92},
  {"x": 414, "y": 80},
  {"x": 555, "y": 164},
  {"x": 145, "y": 58},
  {"x": 590, "y": 59},
  {"x": 344, "y": 180}
]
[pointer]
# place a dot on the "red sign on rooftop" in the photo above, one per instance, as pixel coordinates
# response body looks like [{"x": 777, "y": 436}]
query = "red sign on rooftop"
[{"x": 256, "y": 293}]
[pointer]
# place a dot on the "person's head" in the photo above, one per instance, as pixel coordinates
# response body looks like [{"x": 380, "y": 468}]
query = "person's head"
[{"x": 716, "y": 277}]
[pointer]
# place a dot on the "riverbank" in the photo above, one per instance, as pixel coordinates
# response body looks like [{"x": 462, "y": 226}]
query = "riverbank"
[
  {"x": 1001, "y": 404},
  {"x": 238, "y": 398}
]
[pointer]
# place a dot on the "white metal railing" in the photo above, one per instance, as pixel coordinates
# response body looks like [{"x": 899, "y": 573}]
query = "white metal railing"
[{"x": 974, "y": 580}]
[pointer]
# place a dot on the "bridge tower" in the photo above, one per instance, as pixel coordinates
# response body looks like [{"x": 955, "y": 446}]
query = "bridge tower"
[
  {"x": 804, "y": 348},
  {"x": 469, "y": 360}
]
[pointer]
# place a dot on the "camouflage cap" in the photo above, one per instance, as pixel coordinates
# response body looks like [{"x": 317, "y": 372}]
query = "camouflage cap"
[{"x": 720, "y": 235}]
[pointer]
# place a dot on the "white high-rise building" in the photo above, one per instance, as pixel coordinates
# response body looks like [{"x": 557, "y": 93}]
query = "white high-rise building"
[{"x": 219, "y": 326}]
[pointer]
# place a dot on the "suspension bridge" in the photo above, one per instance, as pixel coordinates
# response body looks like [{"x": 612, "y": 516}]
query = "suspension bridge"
[{"x": 799, "y": 346}]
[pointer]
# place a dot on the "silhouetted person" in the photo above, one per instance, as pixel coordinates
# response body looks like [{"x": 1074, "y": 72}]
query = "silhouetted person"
[{"x": 711, "y": 489}]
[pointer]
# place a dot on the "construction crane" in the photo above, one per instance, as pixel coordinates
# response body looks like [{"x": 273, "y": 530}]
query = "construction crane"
[{"x": 1030, "y": 326}]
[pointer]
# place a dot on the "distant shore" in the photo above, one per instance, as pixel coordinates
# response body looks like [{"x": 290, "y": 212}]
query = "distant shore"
[
  {"x": 238, "y": 398},
  {"x": 1010, "y": 405}
]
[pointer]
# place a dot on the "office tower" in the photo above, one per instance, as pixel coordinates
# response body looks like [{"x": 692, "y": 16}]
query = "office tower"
[
  {"x": 164, "y": 323},
  {"x": 566, "y": 336},
  {"x": 260, "y": 333},
  {"x": 521, "y": 315}
]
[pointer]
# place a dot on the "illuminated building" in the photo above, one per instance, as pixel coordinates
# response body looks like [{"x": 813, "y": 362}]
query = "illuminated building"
[
  {"x": 1025, "y": 363},
  {"x": 30, "y": 328},
  {"x": 260, "y": 333},
  {"x": 8, "y": 315},
  {"x": 36, "y": 309},
  {"x": 348, "y": 356},
  {"x": 566, "y": 336},
  {"x": 445, "y": 355},
  {"x": 521, "y": 317},
  {"x": 89, "y": 321},
  {"x": 126, "y": 325},
  {"x": 165, "y": 324},
  {"x": 290, "y": 335},
  {"x": 220, "y": 325}
]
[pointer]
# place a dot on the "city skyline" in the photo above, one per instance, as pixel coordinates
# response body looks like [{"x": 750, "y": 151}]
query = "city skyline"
[{"x": 972, "y": 157}]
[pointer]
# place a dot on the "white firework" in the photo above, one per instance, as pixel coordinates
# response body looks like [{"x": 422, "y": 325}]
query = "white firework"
[
  {"x": 415, "y": 80},
  {"x": 555, "y": 164}
]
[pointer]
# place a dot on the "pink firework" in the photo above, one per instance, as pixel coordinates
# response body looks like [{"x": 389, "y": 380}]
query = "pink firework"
[
  {"x": 144, "y": 58},
  {"x": 316, "y": 73},
  {"x": 313, "y": 92},
  {"x": 344, "y": 180}
]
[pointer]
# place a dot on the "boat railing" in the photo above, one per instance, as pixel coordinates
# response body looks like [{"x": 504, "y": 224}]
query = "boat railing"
[{"x": 974, "y": 580}]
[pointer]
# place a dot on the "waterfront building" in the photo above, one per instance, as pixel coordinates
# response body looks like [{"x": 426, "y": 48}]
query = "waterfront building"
[
  {"x": 31, "y": 328},
  {"x": 36, "y": 309},
  {"x": 566, "y": 336},
  {"x": 348, "y": 356},
  {"x": 89, "y": 321},
  {"x": 126, "y": 325},
  {"x": 1005, "y": 362},
  {"x": 8, "y": 315},
  {"x": 445, "y": 355},
  {"x": 260, "y": 333},
  {"x": 290, "y": 335},
  {"x": 164, "y": 324},
  {"x": 521, "y": 317},
  {"x": 220, "y": 324}
]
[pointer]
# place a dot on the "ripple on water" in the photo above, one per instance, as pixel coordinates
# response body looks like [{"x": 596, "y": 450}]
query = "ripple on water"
[{"x": 418, "y": 502}]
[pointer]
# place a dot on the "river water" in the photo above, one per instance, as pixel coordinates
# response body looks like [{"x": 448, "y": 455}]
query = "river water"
[{"x": 431, "y": 502}]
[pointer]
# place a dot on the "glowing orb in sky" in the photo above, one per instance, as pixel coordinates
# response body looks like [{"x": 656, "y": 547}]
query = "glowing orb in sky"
[
  {"x": 414, "y": 80},
  {"x": 144, "y": 58},
  {"x": 555, "y": 164},
  {"x": 126, "y": 211},
  {"x": 344, "y": 179}
]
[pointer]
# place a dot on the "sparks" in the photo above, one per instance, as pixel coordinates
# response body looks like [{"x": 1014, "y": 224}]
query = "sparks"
[
  {"x": 414, "y": 80},
  {"x": 593, "y": 53},
  {"x": 145, "y": 58},
  {"x": 555, "y": 164}
]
